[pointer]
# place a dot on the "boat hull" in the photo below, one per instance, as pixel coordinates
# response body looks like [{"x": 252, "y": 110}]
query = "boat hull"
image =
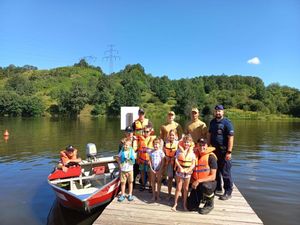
[{"x": 99, "y": 198}]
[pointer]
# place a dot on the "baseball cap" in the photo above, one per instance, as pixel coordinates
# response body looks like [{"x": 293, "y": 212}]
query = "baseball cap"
[
  {"x": 141, "y": 111},
  {"x": 128, "y": 129},
  {"x": 219, "y": 107},
  {"x": 171, "y": 112},
  {"x": 202, "y": 141},
  {"x": 195, "y": 110},
  {"x": 70, "y": 148}
]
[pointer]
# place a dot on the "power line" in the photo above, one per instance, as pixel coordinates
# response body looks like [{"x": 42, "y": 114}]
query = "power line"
[{"x": 111, "y": 56}]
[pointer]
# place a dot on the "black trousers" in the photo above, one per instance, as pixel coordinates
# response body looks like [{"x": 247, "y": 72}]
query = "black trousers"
[
  {"x": 224, "y": 171},
  {"x": 197, "y": 195},
  {"x": 136, "y": 171}
]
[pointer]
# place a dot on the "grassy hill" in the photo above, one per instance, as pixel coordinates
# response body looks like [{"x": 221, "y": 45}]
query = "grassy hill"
[{"x": 83, "y": 89}]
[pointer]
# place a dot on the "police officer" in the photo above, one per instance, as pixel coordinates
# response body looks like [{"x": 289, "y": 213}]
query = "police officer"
[{"x": 221, "y": 136}]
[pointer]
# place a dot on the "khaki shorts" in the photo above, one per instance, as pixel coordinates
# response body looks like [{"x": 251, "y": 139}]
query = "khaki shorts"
[{"x": 127, "y": 176}]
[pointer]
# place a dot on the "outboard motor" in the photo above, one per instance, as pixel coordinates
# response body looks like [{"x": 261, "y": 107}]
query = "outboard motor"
[{"x": 91, "y": 151}]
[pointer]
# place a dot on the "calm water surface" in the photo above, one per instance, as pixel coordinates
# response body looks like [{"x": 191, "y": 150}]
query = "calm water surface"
[{"x": 266, "y": 166}]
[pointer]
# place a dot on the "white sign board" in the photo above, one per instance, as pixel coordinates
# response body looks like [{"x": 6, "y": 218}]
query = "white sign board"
[{"x": 128, "y": 115}]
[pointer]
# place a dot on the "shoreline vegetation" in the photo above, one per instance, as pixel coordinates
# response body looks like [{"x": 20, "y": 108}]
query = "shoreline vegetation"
[{"x": 84, "y": 90}]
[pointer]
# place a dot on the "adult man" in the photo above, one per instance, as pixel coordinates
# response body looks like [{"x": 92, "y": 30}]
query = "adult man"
[
  {"x": 140, "y": 123},
  {"x": 220, "y": 136},
  {"x": 68, "y": 157},
  {"x": 203, "y": 179},
  {"x": 196, "y": 128},
  {"x": 170, "y": 125}
]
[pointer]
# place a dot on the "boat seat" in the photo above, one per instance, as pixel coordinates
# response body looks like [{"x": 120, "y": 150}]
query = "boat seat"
[
  {"x": 84, "y": 191},
  {"x": 111, "y": 167}
]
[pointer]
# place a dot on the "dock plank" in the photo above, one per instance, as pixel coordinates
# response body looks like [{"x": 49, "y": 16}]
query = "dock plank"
[{"x": 142, "y": 210}]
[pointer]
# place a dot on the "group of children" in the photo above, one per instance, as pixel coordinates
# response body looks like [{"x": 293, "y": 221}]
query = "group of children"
[{"x": 157, "y": 159}]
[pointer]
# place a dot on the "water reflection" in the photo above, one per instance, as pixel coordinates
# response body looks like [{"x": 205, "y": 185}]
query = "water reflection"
[
  {"x": 266, "y": 165},
  {"x": 61, "y": 215}
]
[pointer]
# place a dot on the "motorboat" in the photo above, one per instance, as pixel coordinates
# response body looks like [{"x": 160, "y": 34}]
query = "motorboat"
[{"x": 89, "y": 184}]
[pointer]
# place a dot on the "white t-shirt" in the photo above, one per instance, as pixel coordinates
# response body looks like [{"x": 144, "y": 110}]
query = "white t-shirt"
[{"x": 156, "y": 158}]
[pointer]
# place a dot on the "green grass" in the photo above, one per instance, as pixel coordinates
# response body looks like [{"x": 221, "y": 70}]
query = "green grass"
[{"x": 248, "y": 115}]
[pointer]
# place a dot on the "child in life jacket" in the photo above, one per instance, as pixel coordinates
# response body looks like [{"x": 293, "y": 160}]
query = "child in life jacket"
[
  {"x": 185, "y": 163},
  {"x": 156, "y": 165},
  {"x": 126, "y": 160},
  {"x": 170, "y": 148},
  {"x": 145, "y": 144}
]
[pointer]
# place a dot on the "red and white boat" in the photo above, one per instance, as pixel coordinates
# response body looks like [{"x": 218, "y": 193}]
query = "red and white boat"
[{"x": 92, "y": 183}]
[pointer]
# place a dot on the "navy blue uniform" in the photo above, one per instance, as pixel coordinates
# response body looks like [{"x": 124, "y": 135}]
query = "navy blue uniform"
[{"x": 220, "y": 130}]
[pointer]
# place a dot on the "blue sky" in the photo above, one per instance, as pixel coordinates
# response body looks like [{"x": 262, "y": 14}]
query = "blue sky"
[{"x": 174, "y": 38}]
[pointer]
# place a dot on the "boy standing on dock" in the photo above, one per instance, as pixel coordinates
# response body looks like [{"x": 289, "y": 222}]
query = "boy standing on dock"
[
  {"x": 145, "y": 143},
  {"x": 126, "y": 160}
]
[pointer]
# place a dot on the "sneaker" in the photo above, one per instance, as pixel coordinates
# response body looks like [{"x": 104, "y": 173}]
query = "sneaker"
[
  {"x": 130, "y": 198},
  {"x": 225, "y": 197},
  {"x": 218, "y": 192},
  {"x": 121, "y": 198},
  {"x": 142, "y": 188}
]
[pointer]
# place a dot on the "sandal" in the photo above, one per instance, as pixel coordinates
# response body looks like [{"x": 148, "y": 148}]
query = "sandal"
[{"x": 121, "y": 198}]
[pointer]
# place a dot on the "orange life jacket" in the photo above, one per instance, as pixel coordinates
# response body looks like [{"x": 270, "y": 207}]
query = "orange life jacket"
[
  {"x": 202, "y": 168},
  {"x": 64, "y": 157},
  {"x": 139, "y": 126},
  {"x": 143, "y": 145},
  {"x": 170, "y": 150},
  {"x": 185, "y": 159}
]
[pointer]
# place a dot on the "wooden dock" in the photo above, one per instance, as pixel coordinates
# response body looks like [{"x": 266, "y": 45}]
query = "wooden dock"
[{"x": 143, "y": 211}]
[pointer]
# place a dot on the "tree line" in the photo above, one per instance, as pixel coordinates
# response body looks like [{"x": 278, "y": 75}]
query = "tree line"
[{"x": 65, "y": 91}]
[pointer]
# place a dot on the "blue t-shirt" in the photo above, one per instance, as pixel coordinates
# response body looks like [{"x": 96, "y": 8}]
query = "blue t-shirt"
[{"x": 220, "y": 130}]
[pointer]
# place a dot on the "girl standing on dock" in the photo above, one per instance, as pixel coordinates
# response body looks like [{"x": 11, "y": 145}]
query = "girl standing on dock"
[
  {"x": 185, "y": 163},
  {"x": 170, "y": 148},
  {"x": 156, "y": 164}
]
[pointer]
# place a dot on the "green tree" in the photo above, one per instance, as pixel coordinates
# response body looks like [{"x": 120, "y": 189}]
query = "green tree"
[
  {"x": 72, "y": 102},
  {"x": 82, "y": 63},
  {"x": 10, "y": 104},
  {"x": 104, "y": 90},
  {"x": 20, "y": 84},
  {"x": 32, "y": 106},
  {"x": 119, "y": 101}
]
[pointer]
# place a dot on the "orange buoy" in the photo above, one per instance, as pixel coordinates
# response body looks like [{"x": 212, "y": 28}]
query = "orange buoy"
[
  {"x": 6, "y": 134},
  {"x": 6, "y": 138}
]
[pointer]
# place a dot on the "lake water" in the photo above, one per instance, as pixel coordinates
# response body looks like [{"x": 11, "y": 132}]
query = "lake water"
[{"x": 266, "y": 166}]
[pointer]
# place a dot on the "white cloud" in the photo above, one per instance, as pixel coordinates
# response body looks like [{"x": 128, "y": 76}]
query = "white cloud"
[{"x": 254, "y": 61}]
